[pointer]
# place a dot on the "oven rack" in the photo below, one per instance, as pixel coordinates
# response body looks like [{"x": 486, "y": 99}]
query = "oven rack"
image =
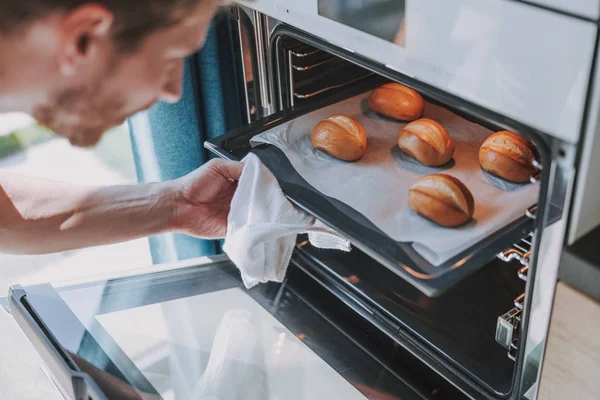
[
  {"x": 313, "y": 72},
  {"x": 521, "y": 250},
  {"x": 507, "y": 326},
  {"x": 514, "y": 343},
  {"x": 507, "y": 329}
]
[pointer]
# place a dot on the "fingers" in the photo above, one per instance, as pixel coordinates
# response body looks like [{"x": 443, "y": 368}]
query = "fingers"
[{"x": 229, "y": 169}]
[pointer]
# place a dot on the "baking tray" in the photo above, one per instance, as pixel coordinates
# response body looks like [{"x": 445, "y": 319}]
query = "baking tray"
[{"x": 399, "y": 257}]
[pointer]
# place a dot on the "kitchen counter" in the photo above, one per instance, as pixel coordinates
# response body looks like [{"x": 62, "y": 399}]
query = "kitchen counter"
[{"x": 580, "y": 265}]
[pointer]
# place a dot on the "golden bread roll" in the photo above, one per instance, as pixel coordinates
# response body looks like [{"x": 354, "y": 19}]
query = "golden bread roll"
[
  {"x": 397, "y": 101},
  {"x": 340, "y": 136},
  {"x": 442, "y": 199},
  {"x": 508, "y": 156},
  {"x": 426, "y": 141}
]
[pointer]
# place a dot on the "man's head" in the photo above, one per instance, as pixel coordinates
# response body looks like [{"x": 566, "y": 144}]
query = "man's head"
[{"x": 83, "y": 66}]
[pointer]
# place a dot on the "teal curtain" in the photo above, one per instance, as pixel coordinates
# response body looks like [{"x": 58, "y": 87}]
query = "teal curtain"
[{"x": 168, "y": 139}]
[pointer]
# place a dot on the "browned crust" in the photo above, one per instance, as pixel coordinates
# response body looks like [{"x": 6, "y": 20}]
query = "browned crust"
[
  {"x": 508, "y": 156},
  {"x": 511, "y": 145},
  {"x": 434, "y": 208},
  {"x": 397, "y": 101},
  {"x": 517, "y": 138},
  {"x": 332, "y": 138},
  {"x": 504, "y": 166},
  {"x": 424, "y": 149},
  {"x": 468, "y": 196}
]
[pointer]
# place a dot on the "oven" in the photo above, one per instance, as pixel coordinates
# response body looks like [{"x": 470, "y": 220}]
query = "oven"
[
  {"x": 385, "y": 317},
  {"x": 480, "y": 318}
]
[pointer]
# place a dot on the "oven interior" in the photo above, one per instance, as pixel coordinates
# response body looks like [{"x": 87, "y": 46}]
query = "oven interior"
[{"x": 468, "y": 326}]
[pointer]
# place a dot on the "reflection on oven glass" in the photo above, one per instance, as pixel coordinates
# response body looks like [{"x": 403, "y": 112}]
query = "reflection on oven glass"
[
  {"x": 222, "y": 345},
  {"x": 381, "y": 18}
]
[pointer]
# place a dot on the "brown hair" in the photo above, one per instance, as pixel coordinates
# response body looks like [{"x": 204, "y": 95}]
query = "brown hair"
[{"x": 133, "y": 19}]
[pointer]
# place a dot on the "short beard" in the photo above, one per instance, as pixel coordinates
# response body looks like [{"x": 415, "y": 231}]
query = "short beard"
[{"x": 82, "y": 114}]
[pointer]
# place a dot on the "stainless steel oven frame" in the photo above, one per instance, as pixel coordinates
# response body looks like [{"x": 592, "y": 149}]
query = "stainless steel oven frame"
[{"x": 540, "y": 260}]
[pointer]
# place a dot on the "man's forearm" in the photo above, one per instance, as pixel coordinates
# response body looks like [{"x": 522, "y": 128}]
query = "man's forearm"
[{"x": 41, "y": 216}]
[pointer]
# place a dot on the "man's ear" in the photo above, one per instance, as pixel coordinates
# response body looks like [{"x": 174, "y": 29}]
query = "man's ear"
[{"x": 85, "y": 31}]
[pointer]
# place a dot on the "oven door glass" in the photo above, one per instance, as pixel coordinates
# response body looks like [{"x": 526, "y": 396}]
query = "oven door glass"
[
  {"x": 381, "y": 18},
  {"x": 196, "y": 333}
]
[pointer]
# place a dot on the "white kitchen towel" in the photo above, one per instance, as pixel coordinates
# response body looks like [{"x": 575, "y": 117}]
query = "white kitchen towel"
[
  {"x": 262, "y": 227},
  {"x": 235, "y": 369}
]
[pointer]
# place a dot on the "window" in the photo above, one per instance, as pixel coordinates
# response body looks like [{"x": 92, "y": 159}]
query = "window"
[{"x": 28, "y": 148}]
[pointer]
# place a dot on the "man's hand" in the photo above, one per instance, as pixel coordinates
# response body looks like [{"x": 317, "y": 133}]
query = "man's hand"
[
  {"x": 203, "y": 199},
  {"x": 40, "y": 216}
]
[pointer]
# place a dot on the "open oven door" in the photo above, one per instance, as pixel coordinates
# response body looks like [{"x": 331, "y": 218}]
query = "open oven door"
[{"x": 191, "y": 331}]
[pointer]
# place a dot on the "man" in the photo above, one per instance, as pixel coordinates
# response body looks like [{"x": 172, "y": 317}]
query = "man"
[{"x": 80, "y": 67}]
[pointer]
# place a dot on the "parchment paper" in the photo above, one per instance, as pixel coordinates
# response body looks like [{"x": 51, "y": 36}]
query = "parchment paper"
[{"x": 377, "y": 185}]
